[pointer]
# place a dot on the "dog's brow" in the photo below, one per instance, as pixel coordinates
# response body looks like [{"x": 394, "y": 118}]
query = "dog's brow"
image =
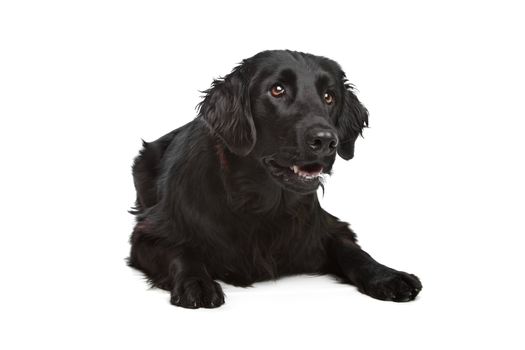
[
  {"x": 288, "y": 76},
  {"x": 323, "y": 81}
]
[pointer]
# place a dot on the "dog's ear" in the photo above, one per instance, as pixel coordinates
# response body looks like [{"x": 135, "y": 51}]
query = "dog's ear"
[
  {"x": 226, "y": 110},
  {"x": 352, "y": 118}
]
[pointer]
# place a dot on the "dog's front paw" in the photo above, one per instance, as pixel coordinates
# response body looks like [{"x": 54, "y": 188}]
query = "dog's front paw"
[
  {"x": 193, "y": 293},
  {"x": 388, "y": 284}
]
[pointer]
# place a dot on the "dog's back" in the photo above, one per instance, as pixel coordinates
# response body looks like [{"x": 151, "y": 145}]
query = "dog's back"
[{"x": 146, "y": 169}]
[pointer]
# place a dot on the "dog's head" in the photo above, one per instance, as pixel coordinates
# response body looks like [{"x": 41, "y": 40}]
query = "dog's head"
[{"x": 289, "y": 110}]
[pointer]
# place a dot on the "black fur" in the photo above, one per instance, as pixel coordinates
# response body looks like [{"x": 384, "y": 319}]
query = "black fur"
[{"x": 218, "y": 199}]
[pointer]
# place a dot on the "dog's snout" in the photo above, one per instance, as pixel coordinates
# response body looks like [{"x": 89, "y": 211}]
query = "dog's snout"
[{"x": 321, "y": 141}]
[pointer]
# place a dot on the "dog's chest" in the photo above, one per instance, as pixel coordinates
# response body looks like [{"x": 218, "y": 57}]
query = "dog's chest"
[{"x": 269, "y": 248}]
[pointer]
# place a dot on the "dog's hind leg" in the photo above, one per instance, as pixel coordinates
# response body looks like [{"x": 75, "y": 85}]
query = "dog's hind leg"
[
  {"x": 173, "y": 268},
  {"x": 151, "y": 253}
]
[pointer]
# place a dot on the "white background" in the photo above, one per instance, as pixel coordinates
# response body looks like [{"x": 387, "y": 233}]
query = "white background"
[{"x": 436, "y": 187}]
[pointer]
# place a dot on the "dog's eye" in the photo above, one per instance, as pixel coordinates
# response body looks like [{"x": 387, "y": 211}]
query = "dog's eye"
[
  {"x": 328, "y": 98},
  {"x": 277, "y": 90}
]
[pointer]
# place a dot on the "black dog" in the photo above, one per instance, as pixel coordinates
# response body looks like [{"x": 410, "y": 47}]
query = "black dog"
[{"x": 232, "y": 196}]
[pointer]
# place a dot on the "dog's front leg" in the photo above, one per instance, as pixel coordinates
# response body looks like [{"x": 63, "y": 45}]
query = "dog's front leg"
[
  {"x": 193, "y": 287},
  {"x": 369, "y": 276}
]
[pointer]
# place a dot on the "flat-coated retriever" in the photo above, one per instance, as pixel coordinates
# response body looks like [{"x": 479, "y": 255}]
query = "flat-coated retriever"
[{"x": 232, "y": 195}]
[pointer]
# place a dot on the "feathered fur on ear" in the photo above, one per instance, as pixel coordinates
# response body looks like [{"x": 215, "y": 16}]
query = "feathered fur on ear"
[
  {"x": 226, "y": 109},
  {"x": 352, "y": 118}
]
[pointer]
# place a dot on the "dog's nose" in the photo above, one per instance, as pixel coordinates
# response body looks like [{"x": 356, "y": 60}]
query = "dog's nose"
[{"x": 321, "y": 141}]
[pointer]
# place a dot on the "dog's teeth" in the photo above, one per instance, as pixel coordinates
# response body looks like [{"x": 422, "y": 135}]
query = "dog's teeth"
[{"x": 305, "y": 174}]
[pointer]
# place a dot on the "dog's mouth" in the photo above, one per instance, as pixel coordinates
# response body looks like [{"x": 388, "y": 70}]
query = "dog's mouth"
[
  {"x": 307, "y": 172},
  {"x": 300, "y": 178}
]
